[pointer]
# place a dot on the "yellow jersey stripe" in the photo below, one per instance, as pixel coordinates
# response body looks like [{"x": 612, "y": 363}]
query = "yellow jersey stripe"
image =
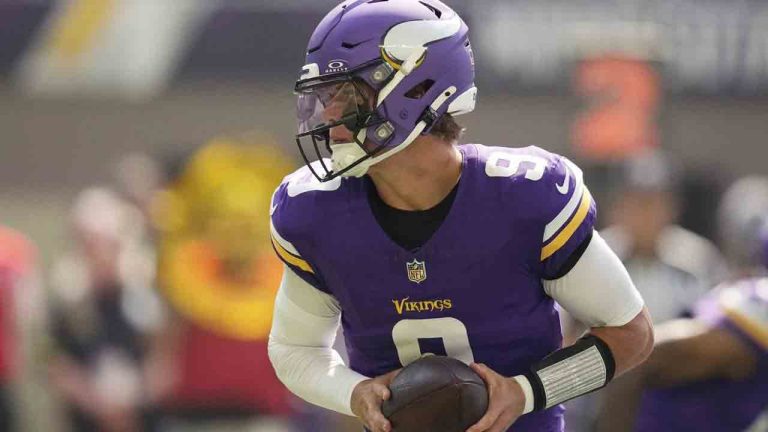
[
  {"x": 755, "y": 330},
  {"x": 573, "y": 225},
  {"x": 290, "y": 258},
  {"x": 78, "y": 28}
]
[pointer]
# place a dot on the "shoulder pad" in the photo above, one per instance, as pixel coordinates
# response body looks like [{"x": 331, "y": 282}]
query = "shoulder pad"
[
  {"x": 746, "y": 305},
  {"x": 300, "y": 182},
  {"x": 551, "y": 186},
  {"x": 293, "y": 215},
  {"x": 548, "y": 190}
]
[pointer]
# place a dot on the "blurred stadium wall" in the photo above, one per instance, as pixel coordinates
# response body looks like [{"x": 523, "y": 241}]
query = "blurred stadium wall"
[{"x": 85, "y": 81}]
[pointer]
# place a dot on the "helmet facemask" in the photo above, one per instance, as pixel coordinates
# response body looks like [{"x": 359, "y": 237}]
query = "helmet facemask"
[{"x": 340, "y": 102}]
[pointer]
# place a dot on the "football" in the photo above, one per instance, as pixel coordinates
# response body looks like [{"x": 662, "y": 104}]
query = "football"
[{"x": 436, "y": 394}]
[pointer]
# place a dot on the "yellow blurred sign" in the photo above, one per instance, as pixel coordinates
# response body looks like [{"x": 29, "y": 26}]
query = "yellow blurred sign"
[{"x": 216, "y": 264}]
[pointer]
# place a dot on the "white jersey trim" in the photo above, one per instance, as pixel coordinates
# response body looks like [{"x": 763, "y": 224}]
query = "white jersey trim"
[{"x": 283, "y": 242}]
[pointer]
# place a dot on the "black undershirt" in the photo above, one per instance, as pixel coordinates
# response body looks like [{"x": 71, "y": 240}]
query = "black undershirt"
[{"x": 409, "y": 229}]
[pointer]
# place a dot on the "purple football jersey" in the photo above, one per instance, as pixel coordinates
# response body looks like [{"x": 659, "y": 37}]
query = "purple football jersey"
[
  {"x": 719, "y": 405},
  {"x": 473, "y": 291}
]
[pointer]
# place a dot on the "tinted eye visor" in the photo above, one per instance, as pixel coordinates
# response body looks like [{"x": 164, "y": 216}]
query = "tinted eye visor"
[
  {"x": 342, "y": 103},
  {"x": 323, "y": 107}
]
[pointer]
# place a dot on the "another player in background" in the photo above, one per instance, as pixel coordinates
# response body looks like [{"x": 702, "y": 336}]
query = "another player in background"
[
  {"x": 671, "y": 267},
  {"x": 419, "y": 245},
  {"x": 740, "y": 213},
  {"x": 710, "y": 372}
]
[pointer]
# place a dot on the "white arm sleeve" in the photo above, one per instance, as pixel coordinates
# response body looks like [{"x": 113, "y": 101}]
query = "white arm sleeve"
[
  {"x": 300, "y": 346},
  {"x": 598, "y": 290}
]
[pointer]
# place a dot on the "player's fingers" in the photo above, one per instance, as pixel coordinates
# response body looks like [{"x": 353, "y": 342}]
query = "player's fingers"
[
  {"x": 495, "y": 409},
  {"x": 387, "y": 378},
  {"x": 486, "y": 422},
  {"x": 381, "y": 390},
  {"x": 377, "y": 422},
  {"x": 484, "y": 371},
  {"x": 503, "y": 422},
  {"x": 479, "y": 368},
  {"x": 374, "y": 416}
]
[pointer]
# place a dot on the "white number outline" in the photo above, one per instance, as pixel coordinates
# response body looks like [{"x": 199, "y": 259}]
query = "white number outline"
[
  {"x": 406, "y": 334},
  {"x": 535, "y": 173}
]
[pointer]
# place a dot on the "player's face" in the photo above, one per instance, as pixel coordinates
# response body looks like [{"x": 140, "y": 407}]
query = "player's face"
[
  {"x": 338, "y": 105},
  {"x": 342, "y": 102},
  {"x": 645, "y": 214},
  {"x": 334, "y": 119}
]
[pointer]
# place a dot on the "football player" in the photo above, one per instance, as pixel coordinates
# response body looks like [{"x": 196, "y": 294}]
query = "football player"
[
  {"x": 418, "y": 245},
  {"x": 710, "y": 372}
]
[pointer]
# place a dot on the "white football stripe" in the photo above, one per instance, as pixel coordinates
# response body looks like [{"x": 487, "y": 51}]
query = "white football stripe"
[
  {"x": 554, "y": 226},
  {"x": 283, "y": 242}
]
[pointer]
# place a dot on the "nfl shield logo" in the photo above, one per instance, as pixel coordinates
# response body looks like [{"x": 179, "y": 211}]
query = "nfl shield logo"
[{"x": 417, "y": 271}]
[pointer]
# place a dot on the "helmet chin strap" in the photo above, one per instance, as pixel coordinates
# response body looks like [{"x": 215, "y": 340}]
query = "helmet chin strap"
[{"x": 345, "y": 154}]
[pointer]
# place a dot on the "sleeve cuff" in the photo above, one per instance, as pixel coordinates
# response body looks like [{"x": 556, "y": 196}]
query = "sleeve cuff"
[
  {"x": 351, "y": 384},
  {"x": 527, "y": 392}
]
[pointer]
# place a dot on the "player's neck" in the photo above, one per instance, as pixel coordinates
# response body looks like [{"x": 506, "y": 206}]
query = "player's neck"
[{"x": 419, "y": 177}]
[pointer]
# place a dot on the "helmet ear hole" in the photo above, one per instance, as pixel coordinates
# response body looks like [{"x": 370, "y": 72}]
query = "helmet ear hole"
[{"x": 419, "y": 90}]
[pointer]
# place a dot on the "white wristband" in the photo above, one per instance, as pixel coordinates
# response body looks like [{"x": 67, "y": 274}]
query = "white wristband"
[{"x": 527, "y": 392}]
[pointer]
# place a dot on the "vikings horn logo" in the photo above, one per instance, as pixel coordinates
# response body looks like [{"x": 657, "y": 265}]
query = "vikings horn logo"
[{"x": 417, "y": 271}]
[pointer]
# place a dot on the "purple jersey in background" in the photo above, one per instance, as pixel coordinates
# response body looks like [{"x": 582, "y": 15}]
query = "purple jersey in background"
[
  {"x": 473, "y": 291},
  {"x": 719, "y": 405}
]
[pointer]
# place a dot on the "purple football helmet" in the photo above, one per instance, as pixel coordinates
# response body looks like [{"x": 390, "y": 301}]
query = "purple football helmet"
[
  {"x": 386, "y": 70},
  {"x": 742, "y": 219}
]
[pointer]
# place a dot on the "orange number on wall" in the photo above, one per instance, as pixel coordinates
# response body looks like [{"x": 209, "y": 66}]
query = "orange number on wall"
[{"x": 623, "y": 97}]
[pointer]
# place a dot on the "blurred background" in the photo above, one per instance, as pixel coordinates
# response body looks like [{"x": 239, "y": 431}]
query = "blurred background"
[{"x": 140, "y": 141}]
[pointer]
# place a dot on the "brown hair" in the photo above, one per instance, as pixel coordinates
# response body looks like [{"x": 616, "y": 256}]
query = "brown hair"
[{"x": 447, "y": 129}]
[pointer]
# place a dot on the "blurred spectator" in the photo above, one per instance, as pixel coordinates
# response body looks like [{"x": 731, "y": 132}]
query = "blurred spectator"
[
  {"x": 19, "y": 294},
  {"x": 104, "y": 310},
  {"x": 219, "y": 278},
  {"x": 138, "y": 177},
  {"x": 742, "y": 209},
  {"x": 672, "y": 267},
  {"x": 710, "y": 372}
]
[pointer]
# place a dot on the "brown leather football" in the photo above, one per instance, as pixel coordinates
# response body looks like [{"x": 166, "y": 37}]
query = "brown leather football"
[{"x": 436, "y": 394}]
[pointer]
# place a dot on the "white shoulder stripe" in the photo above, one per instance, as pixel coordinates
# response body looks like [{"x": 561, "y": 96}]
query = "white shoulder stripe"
[
  {"x": 554, "y": 226},
  {"x": 283, "y": 242}
]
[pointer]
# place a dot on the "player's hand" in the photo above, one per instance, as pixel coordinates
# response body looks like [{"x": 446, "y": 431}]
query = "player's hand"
[
  {"x": 367, "y": 398},
  {"x": 506, "y": 401}
]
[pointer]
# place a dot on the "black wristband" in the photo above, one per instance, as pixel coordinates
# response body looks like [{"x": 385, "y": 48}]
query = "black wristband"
[{"x": 591, "y": 350}]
